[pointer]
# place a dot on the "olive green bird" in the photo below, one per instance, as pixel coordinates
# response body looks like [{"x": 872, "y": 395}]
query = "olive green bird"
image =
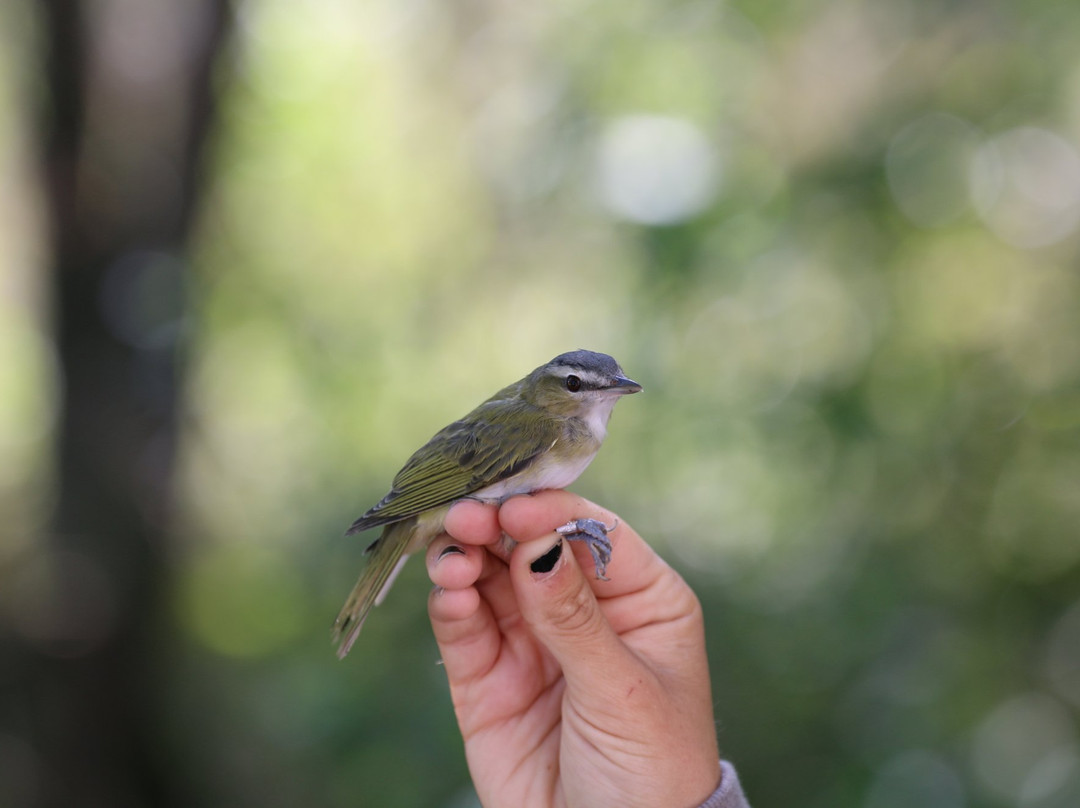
[{"x": 540, "y": 432}]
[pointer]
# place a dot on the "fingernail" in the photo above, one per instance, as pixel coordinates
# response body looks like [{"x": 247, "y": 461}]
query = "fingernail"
[
  {"x": 450, "y": 549},
  {"x": 549, "y": 560}
]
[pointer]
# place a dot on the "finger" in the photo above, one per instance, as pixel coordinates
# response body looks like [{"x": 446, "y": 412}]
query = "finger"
[
  {"x": 451, "y": 606},
  {"x": 473, "y": 522},
  {"x": 465, "y": 630},
  {"x": 562, "y": 612},
  {"x": 496, "y": 590},
  {"x": 633, "y": 566},
  {"x": 452, "y": 564},
  {"x": 467, "y": 600}
]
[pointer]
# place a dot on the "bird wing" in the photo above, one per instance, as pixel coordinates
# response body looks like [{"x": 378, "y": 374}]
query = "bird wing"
[{"x": 463, "y": 458}]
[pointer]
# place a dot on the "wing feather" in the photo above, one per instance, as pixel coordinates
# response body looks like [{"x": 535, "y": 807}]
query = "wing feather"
[{"x": 463, "y": 458}]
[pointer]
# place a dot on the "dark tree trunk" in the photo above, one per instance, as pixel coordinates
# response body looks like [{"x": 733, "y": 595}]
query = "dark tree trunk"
[{"x": 128, "y": 113}]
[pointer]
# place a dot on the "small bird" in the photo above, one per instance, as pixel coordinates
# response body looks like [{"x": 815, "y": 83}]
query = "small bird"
[{"x": 538, "y": 433}]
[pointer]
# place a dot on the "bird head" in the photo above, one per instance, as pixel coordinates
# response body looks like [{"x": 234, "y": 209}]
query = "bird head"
[{"x": 579, "y": 383}]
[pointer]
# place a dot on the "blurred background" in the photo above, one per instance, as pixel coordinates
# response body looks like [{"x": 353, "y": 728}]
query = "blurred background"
[{"x": 253, "y": 254}]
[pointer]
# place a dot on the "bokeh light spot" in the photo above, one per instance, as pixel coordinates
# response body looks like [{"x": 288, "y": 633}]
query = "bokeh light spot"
[
  {"x": 143, "y": 297},
  {"x": 1025, "y": 184},
  {"x": 927, "y": 166},
  {"x": 1063, "y": 655},
  {"x": 1020, "y": 744},
  {"x": 656, "y": 170},
  {"x": 916, "y": 779}
]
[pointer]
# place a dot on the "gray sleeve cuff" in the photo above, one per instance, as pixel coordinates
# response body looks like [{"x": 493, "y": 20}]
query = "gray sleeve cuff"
[{"x": 729, "y": 794}]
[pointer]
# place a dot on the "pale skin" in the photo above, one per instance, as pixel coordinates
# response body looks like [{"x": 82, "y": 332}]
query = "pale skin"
[{"x": 571, "y": 691}]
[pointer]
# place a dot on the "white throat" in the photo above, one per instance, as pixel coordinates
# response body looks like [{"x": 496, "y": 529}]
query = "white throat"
[{"x": 598, "y": 414}]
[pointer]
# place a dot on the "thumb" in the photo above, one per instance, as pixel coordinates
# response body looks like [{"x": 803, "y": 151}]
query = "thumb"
[{"x": 561, "y": 609}]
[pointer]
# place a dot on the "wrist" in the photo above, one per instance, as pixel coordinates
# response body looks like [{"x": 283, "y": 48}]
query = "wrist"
[{"x": 728, "y": 793}]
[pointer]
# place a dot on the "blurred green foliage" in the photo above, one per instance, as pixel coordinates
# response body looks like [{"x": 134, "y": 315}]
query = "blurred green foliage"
[{"x": 836, "y": 241}]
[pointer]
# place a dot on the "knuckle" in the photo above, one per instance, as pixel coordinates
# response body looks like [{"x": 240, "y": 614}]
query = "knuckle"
[{"x": 574, "y": 612}]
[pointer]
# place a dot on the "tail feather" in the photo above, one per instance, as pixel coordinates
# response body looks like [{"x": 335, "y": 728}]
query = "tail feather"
[{"x": 387, "y": 555}]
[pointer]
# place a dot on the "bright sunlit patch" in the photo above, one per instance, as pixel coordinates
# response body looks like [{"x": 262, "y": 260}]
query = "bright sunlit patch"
[
  {"x": 656, "y": 170},
  {"x": 29, "y": 383}
]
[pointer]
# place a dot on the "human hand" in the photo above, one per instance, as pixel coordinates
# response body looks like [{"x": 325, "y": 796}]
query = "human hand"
[{"x": 570, "y": 691}]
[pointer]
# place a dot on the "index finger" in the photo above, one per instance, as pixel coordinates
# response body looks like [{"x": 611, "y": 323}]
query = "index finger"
[{"x": 472, "y": 522}]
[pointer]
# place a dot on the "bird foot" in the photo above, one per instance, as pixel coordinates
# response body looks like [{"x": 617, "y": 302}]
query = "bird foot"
[{"x": 594, "y": 533}]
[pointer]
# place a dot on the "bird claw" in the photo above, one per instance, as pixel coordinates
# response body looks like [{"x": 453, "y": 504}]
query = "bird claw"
[{"x": 595, "y": 535}]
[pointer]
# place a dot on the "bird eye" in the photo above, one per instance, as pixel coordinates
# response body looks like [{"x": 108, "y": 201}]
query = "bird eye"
[{"x": 573, "y": 383}]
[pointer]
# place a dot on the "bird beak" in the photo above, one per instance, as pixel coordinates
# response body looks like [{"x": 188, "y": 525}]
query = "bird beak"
[{"x": 624, "y": 386}]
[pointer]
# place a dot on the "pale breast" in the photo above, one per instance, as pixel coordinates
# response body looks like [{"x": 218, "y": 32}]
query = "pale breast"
[{"x": 548, "y": 471}]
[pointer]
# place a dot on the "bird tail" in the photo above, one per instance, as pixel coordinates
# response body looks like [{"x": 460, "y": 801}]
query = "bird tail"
[{"x": 387, "y": 557}]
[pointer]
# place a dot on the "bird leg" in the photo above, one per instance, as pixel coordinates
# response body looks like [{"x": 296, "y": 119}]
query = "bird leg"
[{"x": 594, "y": 533}]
